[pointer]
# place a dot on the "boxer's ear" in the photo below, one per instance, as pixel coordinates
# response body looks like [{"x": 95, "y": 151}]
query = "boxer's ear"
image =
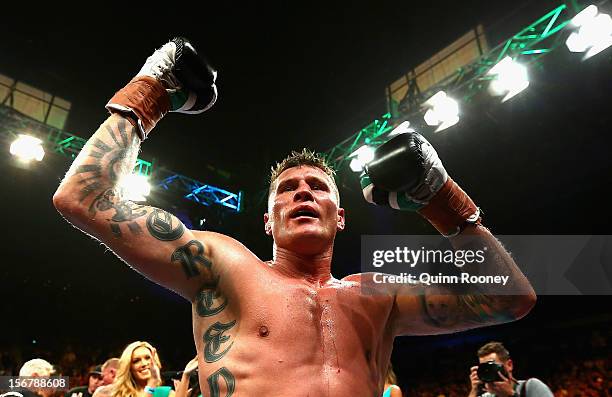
[
  {"x": 341, "y": 220},
  {"x": 267, "y": 224}
]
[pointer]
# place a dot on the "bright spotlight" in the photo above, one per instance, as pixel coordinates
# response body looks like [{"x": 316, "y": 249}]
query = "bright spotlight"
[
  {"x": 362, "y": 156},
  {"x": 356, "y": 165},
  {"x": 594, "y": 32},
  {"x": 27, "y": 148},
  {"x": 401, "y": 129},
  {"x": 511, "y": 78},
  {"x": 135, "y": 187},
  {"x": 443, "y": 111}
]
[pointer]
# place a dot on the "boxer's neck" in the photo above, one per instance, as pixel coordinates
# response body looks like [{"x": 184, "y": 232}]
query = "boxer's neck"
[{"x": 312, "y": 268}]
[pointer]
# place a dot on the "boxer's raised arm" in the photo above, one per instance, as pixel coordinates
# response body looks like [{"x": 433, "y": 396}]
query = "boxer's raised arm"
[
  {"x": 151, "y": 240},
  {"x": 407, "y": 174},
  {"x": 154, "y": 242},
  {"x": 427, "y": 310}
]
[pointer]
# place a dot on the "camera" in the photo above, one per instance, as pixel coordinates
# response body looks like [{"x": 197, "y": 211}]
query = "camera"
[{"x": 488, "y": 372}]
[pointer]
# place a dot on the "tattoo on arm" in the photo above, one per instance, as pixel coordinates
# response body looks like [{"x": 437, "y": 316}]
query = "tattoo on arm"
[
  {"x": 109, "y": 160},
  {"x": 189, "y": 258},
  {"x": 450, "y": 309},
  {"x": 163, "y": 226},
  {"x": 213, "y": 382},
  {"x": 482, "y": 308},
  {"x": 125, "y": 211}
]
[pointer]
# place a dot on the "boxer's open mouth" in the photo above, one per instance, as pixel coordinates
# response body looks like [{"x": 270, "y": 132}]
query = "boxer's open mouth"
[{"x": 304, "y": 211}]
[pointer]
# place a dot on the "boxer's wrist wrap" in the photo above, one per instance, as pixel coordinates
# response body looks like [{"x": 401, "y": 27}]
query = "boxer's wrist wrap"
[
  {"x": 143, "y": 98},
  {"x": 451, "y": 209}
]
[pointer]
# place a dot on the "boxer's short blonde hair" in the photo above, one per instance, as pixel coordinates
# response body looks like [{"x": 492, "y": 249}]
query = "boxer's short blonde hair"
[{"x": 296, "y": 159}]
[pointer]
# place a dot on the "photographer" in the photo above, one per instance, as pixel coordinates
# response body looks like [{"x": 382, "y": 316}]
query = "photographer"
[{"x": 493, "y": 376}]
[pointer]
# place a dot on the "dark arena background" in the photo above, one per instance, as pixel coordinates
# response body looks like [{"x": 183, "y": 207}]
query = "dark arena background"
[{"x": 330, "y": 79}]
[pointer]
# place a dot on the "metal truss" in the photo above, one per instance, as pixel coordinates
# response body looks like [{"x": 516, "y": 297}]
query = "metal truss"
[
  {"x": 369, "y": 135},
  {"x": 528, "y": 45},
  {"x": 198, "y": 191},
  {"x": 13, "y": 123}
]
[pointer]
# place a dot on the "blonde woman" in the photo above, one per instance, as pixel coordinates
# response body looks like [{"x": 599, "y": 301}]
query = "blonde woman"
[
  {"x": 138, "y": 373},
  {"x": 391, "y": 389}
]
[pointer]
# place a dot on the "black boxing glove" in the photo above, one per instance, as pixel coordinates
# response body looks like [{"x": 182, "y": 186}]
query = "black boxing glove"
[
  {"x": 407, "y": 174},
  {"x": 174, "y": 78}
]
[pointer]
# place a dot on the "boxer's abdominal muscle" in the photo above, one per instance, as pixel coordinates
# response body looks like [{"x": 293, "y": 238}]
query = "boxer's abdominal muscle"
[{"x": 270, "y": 334}]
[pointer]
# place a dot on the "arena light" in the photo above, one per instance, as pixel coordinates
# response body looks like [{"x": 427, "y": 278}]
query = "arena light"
[
  {"x": 27, "y": 148},
  {"x": 510, "y": 78},
  {"x": 443, "y": 111},
  {"x": 361, "y": 157},
  {"x": 135, "y": 187},
  {"x": 594, "y": 32},
  {"x": 401, "y": 129}
]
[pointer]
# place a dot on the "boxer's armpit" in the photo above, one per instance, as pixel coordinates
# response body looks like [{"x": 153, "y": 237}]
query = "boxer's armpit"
[{"x": 209, "y": 300}]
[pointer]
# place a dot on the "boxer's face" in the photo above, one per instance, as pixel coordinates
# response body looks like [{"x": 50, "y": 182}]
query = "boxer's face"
[{"x": 303, "y": 210}]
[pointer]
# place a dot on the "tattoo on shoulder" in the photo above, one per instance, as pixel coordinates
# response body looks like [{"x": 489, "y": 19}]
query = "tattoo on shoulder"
[{"x": 163, "y": 226}]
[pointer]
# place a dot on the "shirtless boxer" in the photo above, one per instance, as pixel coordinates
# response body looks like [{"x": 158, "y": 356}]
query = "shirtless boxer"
[{"x": 283, "y": 327}]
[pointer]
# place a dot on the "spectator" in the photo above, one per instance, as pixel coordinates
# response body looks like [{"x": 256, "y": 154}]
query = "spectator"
[
  {"x": 109, "y": 372},
  {"x": 138, "y": 374},
  {"x": 506, "y": 385},
  {"x": 391, "y": 389},
  {"x": 37, "y": 367},
  {"x": 94, "y": 380}
]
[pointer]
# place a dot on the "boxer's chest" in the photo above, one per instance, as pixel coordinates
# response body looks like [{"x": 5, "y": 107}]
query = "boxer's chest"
[{"x": 332, "y": 321}]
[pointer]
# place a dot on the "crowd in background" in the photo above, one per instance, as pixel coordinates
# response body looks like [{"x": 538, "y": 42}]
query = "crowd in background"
[{"x": 581, "y": 366}]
